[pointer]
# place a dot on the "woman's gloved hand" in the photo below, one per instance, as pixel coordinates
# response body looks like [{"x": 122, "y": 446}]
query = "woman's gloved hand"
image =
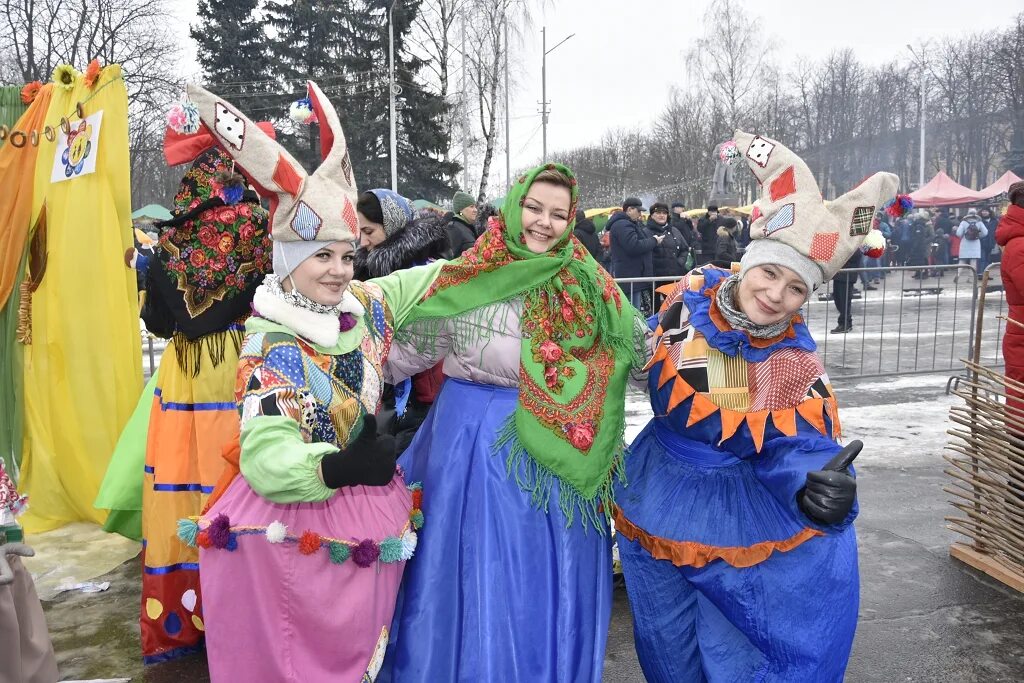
[
  {"x": 368, "y": 461},
  {"x": 19, "y": 549},
  {"x": 830, "y": 492}
]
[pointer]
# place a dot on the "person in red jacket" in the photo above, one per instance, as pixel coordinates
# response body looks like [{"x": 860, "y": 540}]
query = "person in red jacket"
[{"x": 1010, "y": 237}]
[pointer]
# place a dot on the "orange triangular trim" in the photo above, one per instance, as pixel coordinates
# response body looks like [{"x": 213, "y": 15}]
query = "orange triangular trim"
[
  {"x": 785, "y": 421},
  {"x": 668, "y": 371},
  {"x": 693, "y": 554},
  {"x": 757, "y": 421},
  {"x": 699, "y": 408},
  {"x": 812, "y": 411},
  {"x": 833, "y": 411},
  {"x": 667, "y": 289},
  {"x": 658, "y": 353},
  {"x": 681, "y": 391},
  {"x": 731, "y": 420}
]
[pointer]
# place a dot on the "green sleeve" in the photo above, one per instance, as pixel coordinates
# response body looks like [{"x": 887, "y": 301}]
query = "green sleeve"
[
  {"x": 403, "y": 289},
  {"x": 278, "y": 464}
]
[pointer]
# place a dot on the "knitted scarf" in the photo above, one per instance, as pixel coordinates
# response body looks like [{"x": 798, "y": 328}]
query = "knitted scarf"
[
  {"x": 577, "y": 350},
  {"x": 726, "y": 299}
]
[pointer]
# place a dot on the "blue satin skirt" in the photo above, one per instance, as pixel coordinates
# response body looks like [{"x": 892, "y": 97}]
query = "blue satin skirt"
[
  {"x": 498, "y": 590},
  {"x": 791, "y": 617}
]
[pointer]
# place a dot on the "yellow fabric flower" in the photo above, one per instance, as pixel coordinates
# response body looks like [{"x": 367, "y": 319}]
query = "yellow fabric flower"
[{"x": 64, "y": 76}]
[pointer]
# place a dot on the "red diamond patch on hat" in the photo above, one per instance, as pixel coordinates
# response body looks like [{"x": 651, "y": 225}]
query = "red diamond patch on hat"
[
  {"x": 349, "y": 215},
  {"x": 784, "y": 185},
  {"x": 755, "y": 213},
  {"x": 823, "y": 246}
]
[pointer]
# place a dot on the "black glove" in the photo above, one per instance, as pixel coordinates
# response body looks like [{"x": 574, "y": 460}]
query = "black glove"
[
  {"x": 20, "y": 549},
  {"x": 831, "y": 491},
  {"x": 368, "y": 461}
]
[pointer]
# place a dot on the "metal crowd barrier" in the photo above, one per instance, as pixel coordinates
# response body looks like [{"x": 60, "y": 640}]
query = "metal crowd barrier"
[{"x": 915, "y": 320}]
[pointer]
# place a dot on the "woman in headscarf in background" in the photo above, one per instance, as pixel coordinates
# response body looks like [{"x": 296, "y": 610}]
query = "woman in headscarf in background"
[{"x": 392, "y": 238}]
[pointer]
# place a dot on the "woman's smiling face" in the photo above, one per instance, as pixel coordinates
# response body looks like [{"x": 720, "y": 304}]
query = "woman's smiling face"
[
  {"x": 770, "y": 293},
  {"x": 324, "y": 276},
  {"x": 545, "y": 215}
]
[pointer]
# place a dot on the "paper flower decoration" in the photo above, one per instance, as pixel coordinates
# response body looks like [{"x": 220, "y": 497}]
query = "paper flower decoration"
[
  {"x": 92, "y": 74},
  {"x": 729, "y": 152},
  {"x": 30, "y": 91},
  {"x": 183, "y": 118},
  {"x": 64, "y": 76}
]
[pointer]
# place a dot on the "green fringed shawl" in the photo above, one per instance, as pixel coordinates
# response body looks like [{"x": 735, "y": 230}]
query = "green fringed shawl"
[{"x": 577, "y": 350}]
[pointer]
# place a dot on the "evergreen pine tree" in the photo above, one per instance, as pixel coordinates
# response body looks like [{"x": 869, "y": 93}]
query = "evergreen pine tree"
[
  {"x": 232, "y": 48},
  {"x": 343, "y": 46}
]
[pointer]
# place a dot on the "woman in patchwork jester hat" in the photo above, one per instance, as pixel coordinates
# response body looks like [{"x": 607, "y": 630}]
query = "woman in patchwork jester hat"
[
  {"x": 305, "y": 539},
  {"x": 211, "y": 257},
  {"x": 518, "y": 452},
  {"x": 735, "y": 518}
]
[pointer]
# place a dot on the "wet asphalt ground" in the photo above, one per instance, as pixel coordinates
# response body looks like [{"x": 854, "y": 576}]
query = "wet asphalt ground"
[{"x": 923, "y": 615}]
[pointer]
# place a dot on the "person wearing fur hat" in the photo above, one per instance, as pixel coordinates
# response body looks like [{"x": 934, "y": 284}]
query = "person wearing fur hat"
[
  {"x": 669, "y": 255},
  {"x": 461, "y": 233},
  {"x": 392, "y": 239},
  {"x": 305, "y": 538},
  {"x": 734, "y": 515},
  {"x": 1010, "y": 237}
]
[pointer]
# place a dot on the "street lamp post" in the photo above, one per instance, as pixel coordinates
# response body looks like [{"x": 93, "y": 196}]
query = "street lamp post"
[
  {"x": 544, "y": 86},
  {"x": 920, "y": 58},
  {"x": 391, "y": 93}
]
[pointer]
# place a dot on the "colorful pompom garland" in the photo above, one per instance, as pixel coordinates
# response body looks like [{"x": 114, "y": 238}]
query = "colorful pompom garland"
[
  {"x": 221, "y": 535},
  {"x": 899, "y": 205}
]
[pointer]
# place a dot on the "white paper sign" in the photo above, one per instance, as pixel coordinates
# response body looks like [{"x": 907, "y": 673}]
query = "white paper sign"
[{"x": 76, "y": 152}]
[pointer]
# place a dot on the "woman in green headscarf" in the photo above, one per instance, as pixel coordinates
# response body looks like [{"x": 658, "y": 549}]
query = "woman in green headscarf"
[{"x": 512, "y": 581}]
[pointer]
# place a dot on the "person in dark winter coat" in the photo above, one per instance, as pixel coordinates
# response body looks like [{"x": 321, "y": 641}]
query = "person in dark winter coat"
[
  {"x": 708, "y": 227},
  {"x": 842, "y": 293},
  {"x": 921, "y": 234},
  {"x": 485, "y": 212},
  {"x": 725, "y": 246},
  {"x": 586, "y": 232},
  {"x": 390, "y": 239},
  {"x": 683, "y": 224},
  {"x": 459, "y": 224},
  {"x": 670, "y": 255},
  {"x": 632, "y": 247},
  {"x": 1010, "y": 236}
]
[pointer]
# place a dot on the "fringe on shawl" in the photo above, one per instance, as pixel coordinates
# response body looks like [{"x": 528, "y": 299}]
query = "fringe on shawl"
[
  {"x": 189, "y": 352},
  {"x": 536, "y": 479}
]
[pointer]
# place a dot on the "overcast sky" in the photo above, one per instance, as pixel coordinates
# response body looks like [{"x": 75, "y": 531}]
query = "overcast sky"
[{"x": 625, "y": 54}]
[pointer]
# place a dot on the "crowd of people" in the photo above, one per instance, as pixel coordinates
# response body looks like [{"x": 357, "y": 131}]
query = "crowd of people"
[
  {"x": 388, "y": 445},
  {"x": 939, "y": 237}
]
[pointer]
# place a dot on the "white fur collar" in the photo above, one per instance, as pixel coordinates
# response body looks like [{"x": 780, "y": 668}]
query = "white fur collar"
[{"x": 320, "y": 328}]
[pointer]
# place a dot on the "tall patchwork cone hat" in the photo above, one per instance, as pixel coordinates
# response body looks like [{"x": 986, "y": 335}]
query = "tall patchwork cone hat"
[
  {"x": 306, "y": 210},
  {"x": 792, "y": 226}
]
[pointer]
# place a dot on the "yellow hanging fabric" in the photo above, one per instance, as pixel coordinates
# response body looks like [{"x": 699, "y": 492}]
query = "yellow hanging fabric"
[{"x": 83, "y": 370}]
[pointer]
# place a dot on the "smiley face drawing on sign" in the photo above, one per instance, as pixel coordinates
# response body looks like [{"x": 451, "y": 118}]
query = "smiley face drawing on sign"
[{"x": 79, "y": 148}]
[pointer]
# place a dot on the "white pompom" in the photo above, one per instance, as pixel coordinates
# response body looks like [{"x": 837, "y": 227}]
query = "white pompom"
[{"x": 276, "y": 532}]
